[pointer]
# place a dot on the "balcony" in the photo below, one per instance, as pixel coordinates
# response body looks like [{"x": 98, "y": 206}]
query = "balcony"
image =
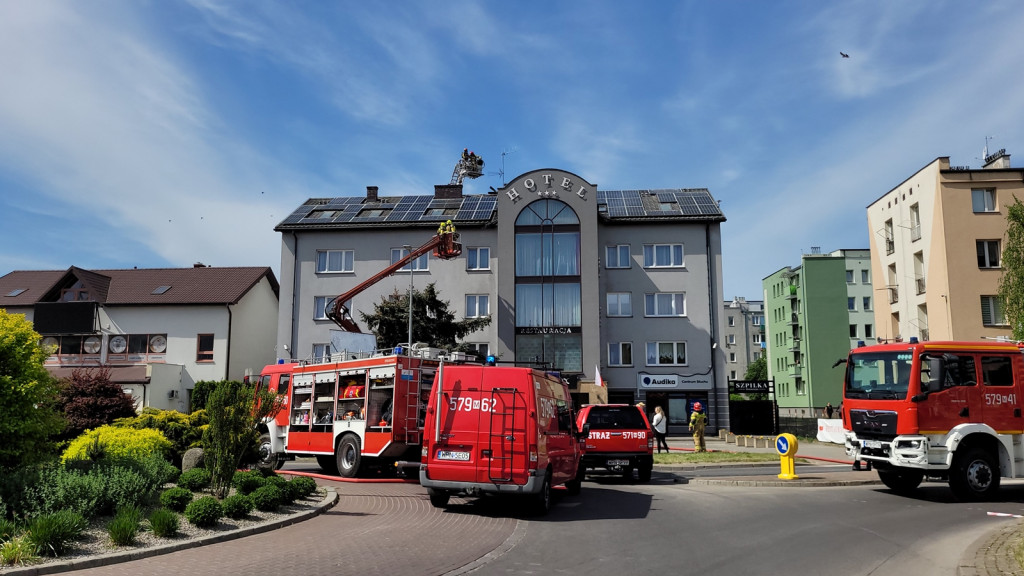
[
  {"x": 924, "y": 334},
  {"x": 890, "y": 246},
  {"x": 920, "y": 284},
  {"x": 794, "y": 345},
  {"x": 794, "y": 319},
  {"x": 794, "y": 370},
  {"x": 915, "y": 233},
  {"x": 894, "y": 294}
]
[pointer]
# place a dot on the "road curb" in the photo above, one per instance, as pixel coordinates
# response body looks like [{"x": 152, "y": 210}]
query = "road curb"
[
  {"x": 329, "y": 500},
  {"x": 992, "y": 554}
]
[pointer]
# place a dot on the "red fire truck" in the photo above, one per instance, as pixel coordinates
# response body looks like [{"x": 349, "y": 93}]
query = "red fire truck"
[
  {"x": 362, "y": 410},
  {"x": 352, "y": 414},
  {"x": 945, "y": 410}
]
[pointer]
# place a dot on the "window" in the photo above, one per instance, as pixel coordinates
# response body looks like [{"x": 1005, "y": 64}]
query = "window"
[
  {"x": 620, "y": 304},
  {"x": 853, "y": 330},
  {"x": 335, "y": 260},
  {"x": 732, "y": 321},
  {"x": 731, "y": 338},
  {"x": 204, "y": 348},
  {"x": 732, "y": 375},
  {"x": 478, "y": 258},
  {"x": 620, "y": 353},
  {"x": 996, "y": 371},
  {"x": 988, "y": 253},
  {"x": 666, "y": 353},
  {"x": 663, "y": 255},
  {"x": 321, "y": 352},
  {"x": 867, "y": 331},
  {"x": 890, "y": 238},
  {"x": 665, "y": 304},
  {"x": 758, "y": 320},
  {"x": 849, "y": 277},
  {"x": 617, "y": 256},
  {"x": 866, "y": 301},
  {"x": 865, "y": 277},
  {"x": 732, "y": 357},
  {"x": 481, "y": 348},
  {"x": 420, "y": 263},
  {"x": 915, "y": 222},
  {"x": 477, "y": 306},
  {"x": 320, "y": 306},
  {"x": 992, "y": 311},
  {"x": 851, "y": 303},
  {"x": 983, "y": 200},
  {"x": 758, "y": 338}
]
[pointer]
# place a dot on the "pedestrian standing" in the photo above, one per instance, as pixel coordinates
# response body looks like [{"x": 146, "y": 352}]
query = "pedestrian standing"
[
  {"x": 698, "y": 420},
  {"x": 829, "y": 410},
  {"x": 660, "y": 428}
]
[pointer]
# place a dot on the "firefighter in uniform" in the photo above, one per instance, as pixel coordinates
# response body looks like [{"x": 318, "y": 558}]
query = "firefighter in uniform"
[{"x": 698, "y": 420}]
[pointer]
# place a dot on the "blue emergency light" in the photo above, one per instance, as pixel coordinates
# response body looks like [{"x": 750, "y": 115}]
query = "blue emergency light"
[{"x": 491, "y": 360}]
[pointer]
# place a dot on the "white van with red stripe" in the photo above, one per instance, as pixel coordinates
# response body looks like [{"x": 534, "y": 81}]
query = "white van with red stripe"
[{"x": 501, "y": 430}]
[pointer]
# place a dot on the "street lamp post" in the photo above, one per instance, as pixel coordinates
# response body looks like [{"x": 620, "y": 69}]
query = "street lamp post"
[{"x": 408, "y": 249}]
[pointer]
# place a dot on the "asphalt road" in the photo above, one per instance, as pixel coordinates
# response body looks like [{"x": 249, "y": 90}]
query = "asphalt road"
[{"x": 668, "y": 527}]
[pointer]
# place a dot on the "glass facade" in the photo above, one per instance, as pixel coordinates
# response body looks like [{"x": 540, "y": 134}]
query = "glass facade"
[{"x": 548, "y": 291}]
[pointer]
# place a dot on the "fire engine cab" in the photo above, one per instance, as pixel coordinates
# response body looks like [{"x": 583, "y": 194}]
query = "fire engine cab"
[
  {"x": 945, "y": 410},
  {"x": 352, "y": 415}
]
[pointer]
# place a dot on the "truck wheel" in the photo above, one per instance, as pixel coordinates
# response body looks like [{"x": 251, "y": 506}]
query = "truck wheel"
[
  {"x": 348, "y": 457},
  {"x": 901, "y": 481},
  {"x": 328, "y": 465},
  {"x": 542, "y": 501},
  {"x": 575, "y": 485},
  {"x": 438, "y": 498},
  {"x": 644, "y": 473},
  {"x": 267, "y": 460},
  {"x": 974, "y": 475}
]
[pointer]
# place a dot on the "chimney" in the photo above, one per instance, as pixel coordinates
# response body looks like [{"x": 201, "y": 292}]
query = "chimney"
[
  {"x": 997, "y": 161},
  {"x": 447, "y": 191},
  {"x": 371, "y": 193}
]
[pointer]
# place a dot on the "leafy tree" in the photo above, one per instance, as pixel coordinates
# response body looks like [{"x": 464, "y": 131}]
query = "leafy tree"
[
  {"x": 234, "y": 410},
  {"x": 431, "y": 321},
  {"x": 90, "y": 399},
  {"x": 29, "y": 419},
  {"x": 757, "y": 370},
  {"x": 1011, "y": 283}
]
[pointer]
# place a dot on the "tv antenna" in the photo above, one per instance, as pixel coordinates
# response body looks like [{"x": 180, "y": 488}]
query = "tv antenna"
[{"x": 501, "y": 172}]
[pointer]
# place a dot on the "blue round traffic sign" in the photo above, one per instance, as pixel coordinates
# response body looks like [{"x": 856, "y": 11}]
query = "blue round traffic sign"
[{"x": 786, "y": 444}]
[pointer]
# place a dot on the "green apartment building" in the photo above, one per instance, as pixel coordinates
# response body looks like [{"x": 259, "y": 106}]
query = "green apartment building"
[{"x": 808, "y": 318}]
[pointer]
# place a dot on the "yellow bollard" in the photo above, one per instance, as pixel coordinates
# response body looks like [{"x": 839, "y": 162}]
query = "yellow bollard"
[{"x": 786, "y": 445}]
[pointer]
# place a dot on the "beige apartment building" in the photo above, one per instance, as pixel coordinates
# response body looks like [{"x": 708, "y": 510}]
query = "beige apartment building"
[{"x": 936, "y": 246}]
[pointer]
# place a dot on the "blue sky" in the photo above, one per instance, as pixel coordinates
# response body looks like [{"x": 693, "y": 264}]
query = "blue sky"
[{"x": 163, "y": 133}]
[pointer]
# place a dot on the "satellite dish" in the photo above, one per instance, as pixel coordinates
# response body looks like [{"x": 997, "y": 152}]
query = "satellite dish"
[
  {"x": 118, "y": 344},
  {"x": 158, "y": 344},
  {"x": 51, "y": 342},
  {"x": 91, "y": 345}
]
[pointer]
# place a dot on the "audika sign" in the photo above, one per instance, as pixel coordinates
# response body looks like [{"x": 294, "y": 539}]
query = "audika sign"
[{"x": 674, "y": 381}]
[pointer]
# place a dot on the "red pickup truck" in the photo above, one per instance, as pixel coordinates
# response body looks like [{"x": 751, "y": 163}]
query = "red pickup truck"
[{"x": 619, "y": 442}]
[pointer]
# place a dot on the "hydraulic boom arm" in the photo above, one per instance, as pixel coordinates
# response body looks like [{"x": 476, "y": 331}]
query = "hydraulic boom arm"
[{"x": 445, "y": 245}]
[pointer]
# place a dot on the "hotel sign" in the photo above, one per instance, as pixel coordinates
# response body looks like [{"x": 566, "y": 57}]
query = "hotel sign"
[
  {"x": 549, "y": 330},
  {"x": 547, "y": 188}
]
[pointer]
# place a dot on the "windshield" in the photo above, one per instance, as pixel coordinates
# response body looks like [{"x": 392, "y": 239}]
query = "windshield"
[{"x": 879, "y": 375}]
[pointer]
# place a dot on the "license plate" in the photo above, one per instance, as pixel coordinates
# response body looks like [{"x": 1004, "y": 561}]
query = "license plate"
[
  {"x": 872, "y": 444},
  {"x": 618, "y": 462},
  {"x": 453, "y": 455}
]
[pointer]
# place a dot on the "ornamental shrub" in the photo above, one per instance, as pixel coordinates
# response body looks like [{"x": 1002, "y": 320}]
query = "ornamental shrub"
[
  {"x": 125, "y": 526},
  {"x": 52, "y": 534},
  {"x": 266, "y": 498},
  {"x": 8, "y": 529},
  {"x": 118, "y": 442},
  {"x": 60, "y": 488},
  {"x": 164, "y": 523},
  {"x": 204, "y": 512},
  {"x": 290, "y": 492},
  {"x": 90, "y": 399},
  {"x": 126, "y": 487},
  {"x": 247, "y": 481},
  {"x": 195, "y": 479},
  {"x": 304, "y": 485},
  {"x": 176, "y": 498},
  {"x": 17, "y": 550},
  {"x": 183, "y": 430},
  {"x": 237, "y": 506}
]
